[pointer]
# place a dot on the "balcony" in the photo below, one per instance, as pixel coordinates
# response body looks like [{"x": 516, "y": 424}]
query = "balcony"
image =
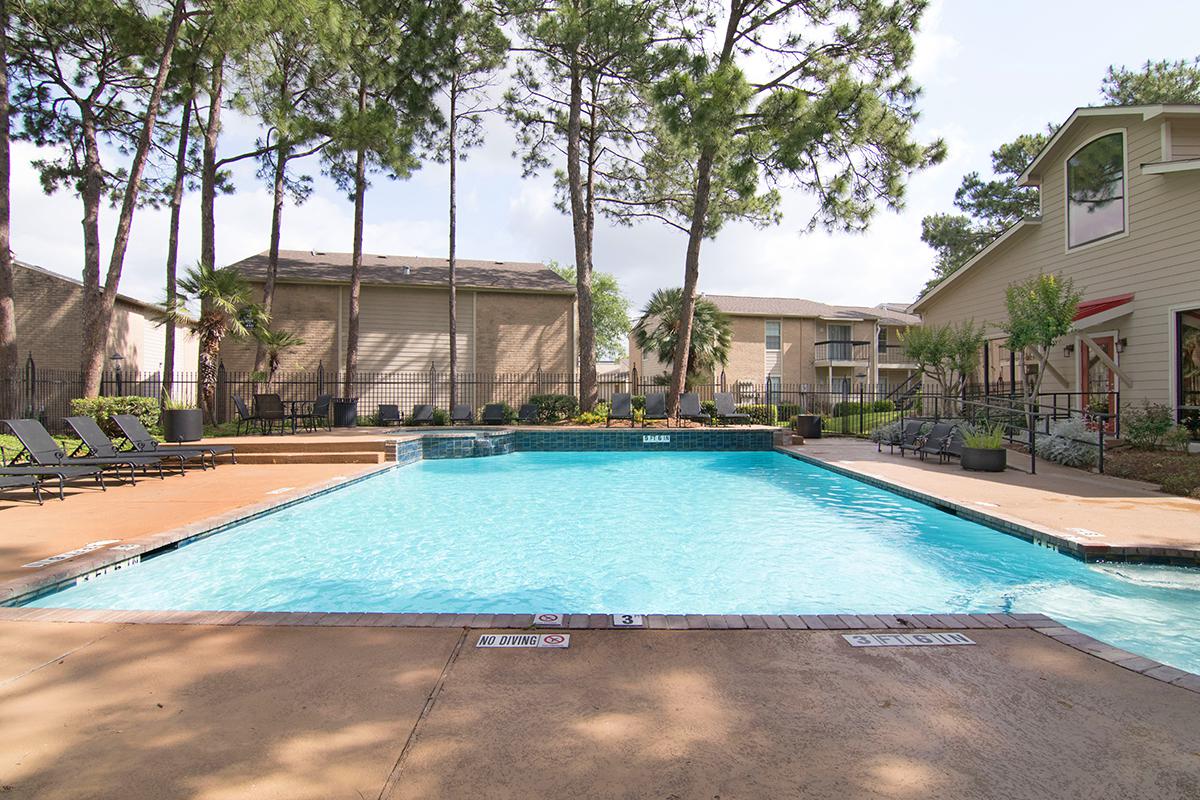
[
  {"x": 841, "y": 353},
  {"x": 892, "y": 356}
]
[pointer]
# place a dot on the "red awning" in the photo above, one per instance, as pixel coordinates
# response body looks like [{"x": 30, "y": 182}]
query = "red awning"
[{"x": 1090, "y": 308}]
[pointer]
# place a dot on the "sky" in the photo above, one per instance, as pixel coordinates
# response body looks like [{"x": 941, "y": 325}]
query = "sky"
[{"x": 990, "y": 72}]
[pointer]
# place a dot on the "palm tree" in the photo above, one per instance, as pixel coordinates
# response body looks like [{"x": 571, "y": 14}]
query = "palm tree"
[
  {"x": 275, "y": 343},
  {"x": 658, "y": 331},
  {"x": 227, "y": 308}
]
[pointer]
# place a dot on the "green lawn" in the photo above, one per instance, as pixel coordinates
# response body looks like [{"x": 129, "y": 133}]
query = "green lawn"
[
  {"x": 850, "y": 423},
  {"x": 12, "y": 445}
]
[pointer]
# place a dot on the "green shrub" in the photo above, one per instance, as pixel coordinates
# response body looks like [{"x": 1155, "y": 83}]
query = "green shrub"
[
  {"x": 983, "y": 438},
  {"x": 883, "y": 405},
  {"x": 787, "y": 410},
  {"x": 1151, "y": 426},
  {"x": 592, "y": 417},
  {"x": 845, "y": 408},
  {"x": 510, "y": 414},
  {"x": 102, "y": 410},
  {"x": 760, "y": 414},
  {"x": 709, "y": 407},
  {"x": 441, "y": 416},
  {"x": 1071, "y": 443},
  {"x": 555, "y": 407},
  {"x": 639, "y": 402}
]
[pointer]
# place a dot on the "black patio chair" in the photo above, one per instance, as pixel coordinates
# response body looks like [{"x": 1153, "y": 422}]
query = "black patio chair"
[
  {"x": 62, "y": 473},
  {"x": 621, "y": 408},
  {"x": 494, "y": 414},
  {"x": 727, "y": 411},
  {"x": 389, "y": 414},
  {"x": 462, "y": 413},
  {"x": 528, "y": 414},
  {"x": 140, "y": 440},
  {"x": 931, "y": 444},
  {"x": 317, "y": 414},
  {"x": 690, "y": 409},
  {"x": 95, "y": 444},
  {"x": 656, "y": 408},
  {"x": 22, "y": 482},
  {"x": 422, "y": 415},
  {"x": 39, "y": 449},
  {"x": 245, "y": 416},
  {"x": 269, "y": 410},
  {"x": 910, "y": 432},
  {"x": 953, "y": 445}
]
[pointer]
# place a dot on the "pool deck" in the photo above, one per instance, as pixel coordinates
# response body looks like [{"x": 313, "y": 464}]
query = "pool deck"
[
  {"x": 1095, "y": 515},
  {"x": 235, "y": 705}
]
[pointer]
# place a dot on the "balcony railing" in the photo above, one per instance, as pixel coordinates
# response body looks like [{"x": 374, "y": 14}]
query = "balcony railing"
[
  {"x": 893, "y": 354},
  {"x": 833, "y": 351}
]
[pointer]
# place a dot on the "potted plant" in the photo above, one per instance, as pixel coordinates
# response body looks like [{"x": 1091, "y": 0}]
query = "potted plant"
[
  {"x": 983, "y": 449},
  {"x": 181, "y": 422}
]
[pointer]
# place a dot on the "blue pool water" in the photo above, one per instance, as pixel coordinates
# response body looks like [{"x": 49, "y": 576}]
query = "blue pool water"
[{"x": 637, "y": 532}]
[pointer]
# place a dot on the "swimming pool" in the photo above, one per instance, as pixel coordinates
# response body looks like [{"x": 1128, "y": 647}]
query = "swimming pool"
[{"x": 699, "y": 532}]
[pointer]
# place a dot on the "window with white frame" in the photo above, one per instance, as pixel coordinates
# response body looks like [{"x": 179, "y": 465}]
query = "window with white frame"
[
  {"x": 1096, "y": 190},
  {"x": 774, "y": 338}
]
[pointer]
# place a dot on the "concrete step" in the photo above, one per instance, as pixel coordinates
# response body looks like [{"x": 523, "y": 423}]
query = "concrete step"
[
  {"x": 297, "y": 444},
  {"x": 349, "y": 457}
]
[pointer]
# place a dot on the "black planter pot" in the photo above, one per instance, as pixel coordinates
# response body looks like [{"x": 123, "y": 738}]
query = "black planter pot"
[
  {"x": 345, "y": 412},
  {"x": 183, "y": 425},
  {"x": 808, "y": 426},
  {"x": 984, "y": 460}
]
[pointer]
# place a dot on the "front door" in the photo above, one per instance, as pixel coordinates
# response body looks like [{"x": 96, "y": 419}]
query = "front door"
[{"x": 1097, "y": 383}]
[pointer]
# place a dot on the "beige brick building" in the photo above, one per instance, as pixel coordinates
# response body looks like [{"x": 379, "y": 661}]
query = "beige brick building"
[
  {"x": 791, "y": 341},
  {"x": 513, "y": 317},
  {"x": 50, "y": 325}
]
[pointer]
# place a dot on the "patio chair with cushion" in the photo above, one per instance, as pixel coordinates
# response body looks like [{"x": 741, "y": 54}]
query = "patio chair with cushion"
[
  {"x": 620, "y": 409},
  {"x": 317, "y": 414},
  {"x": 528, "y": 414},
  {"x": 39, "y": 450},
  {"x": 690, "y": 409},
  {"x": 494, "y": 414},
  {"x": 140, "y": 440},
  {"x": 96, "y": 444},
  {"x": 389, "y": 414},
  {"x": 462, "y": 413},
  {"x": 269, "y": 410},
  {"x": 246, "y": 419},
  {"x": 656, "y": 408},
  {"x": 727, "y": 411},
  {"x": 421, "y": 415}
]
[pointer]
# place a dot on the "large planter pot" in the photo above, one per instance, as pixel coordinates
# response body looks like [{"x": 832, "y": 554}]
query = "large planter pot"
[
  {"x": 979, "y": 459},
  {"x": 183, "y": 425},
  {"x": 808, "y": 426},
  {"x": 345, "y": 412}
]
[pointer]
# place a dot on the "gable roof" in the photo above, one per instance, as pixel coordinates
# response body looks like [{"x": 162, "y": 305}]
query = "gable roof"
[
  {"x": 121, "y": 298},
  {"x": 307, "y": 266},
  {"x": 1146, "y": 112},
  {"x": 1009, "y": 233},
  {"x": 739, "y": 305}
]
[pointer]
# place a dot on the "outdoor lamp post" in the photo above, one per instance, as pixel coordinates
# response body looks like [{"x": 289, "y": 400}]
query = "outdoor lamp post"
[{"x": 117, "y": 358}]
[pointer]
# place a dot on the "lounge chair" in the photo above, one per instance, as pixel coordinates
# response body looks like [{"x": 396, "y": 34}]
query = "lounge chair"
[
  {"x": 389, "y": 415},
  {"x": 910, "y": 432},
  {"x": 39, "y": 449},
  {"x": 269, "y": 410},
  {"x": 96, "y": 444},
  {"x": 656, "y": 408},
  {"x": 621, "y": 408},
  {"x": 421, "y": 415},
  {"x": 528, "y": 414},
  {"x": 494, "y": 414},
  {"x": 952, "y": 447},
  {"x": 727, "y": 411},
  {"x": 245, "y": 417},
  {"x": 931, "y": 444},
  {"x": 462, "y": 413},
  {"x": 63, "y": 474},
  {"x": 22, "y": 482},
  {"x": 689, "y": 409},
  {"x": 140, "y": 440},
  {"x": 317, "y": 413}
]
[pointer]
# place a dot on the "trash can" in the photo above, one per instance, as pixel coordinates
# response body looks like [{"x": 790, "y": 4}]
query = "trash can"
[
  {"x": 345, "y": 412},
  {"x": 808, "y": 426}
]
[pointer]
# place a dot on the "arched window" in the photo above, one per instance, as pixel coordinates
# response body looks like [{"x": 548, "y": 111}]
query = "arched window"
[{"x": 1096, "y": 190}]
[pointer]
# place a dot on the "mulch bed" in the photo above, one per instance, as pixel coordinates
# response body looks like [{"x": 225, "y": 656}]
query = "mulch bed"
[{"x": 1176, "y": 472}]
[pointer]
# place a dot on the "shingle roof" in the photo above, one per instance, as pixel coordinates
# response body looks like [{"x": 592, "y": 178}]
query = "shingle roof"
[
  {"x": 319, "y": 267},
  {"x": 799, "y": 307}
]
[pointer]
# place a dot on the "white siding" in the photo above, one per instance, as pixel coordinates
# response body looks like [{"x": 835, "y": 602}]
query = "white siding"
[{"x": 402, "y": 330}]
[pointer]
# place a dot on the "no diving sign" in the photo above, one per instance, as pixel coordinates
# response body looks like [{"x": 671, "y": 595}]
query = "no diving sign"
[{"x": 559, "y": 640}]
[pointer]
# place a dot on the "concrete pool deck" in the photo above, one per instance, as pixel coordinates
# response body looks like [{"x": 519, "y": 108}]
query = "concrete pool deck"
[{"x": 209, "y": 713}]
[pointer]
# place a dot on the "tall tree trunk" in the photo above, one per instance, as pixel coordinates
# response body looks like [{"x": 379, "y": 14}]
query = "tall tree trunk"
[
  {"x": 209, "y": 360},
  {"x": 8, "y": 311},
  {"x": 360, "y": 190},
  {"x": 281, "y": 159},
  {"x": 452, "y": 263},
  {"x": 583, "y": 244},
  {"x": 208, "y": 169},
  {"x": 697, "y": 231},
  {"x": 100, "y": 319},
  {"x": 185, "y": 124},
  {"x": 93, "y": 337}
]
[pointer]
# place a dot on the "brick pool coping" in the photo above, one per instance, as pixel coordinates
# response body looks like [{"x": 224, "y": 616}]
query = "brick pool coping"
[
  {"x": 909, "y": 623},
  {"x": 1043, "y": 537}
]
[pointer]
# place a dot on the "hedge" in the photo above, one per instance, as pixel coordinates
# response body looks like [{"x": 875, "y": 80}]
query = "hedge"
[
  {"x": 555, "y": 407},
  {"x": 102, "y": 410}
]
